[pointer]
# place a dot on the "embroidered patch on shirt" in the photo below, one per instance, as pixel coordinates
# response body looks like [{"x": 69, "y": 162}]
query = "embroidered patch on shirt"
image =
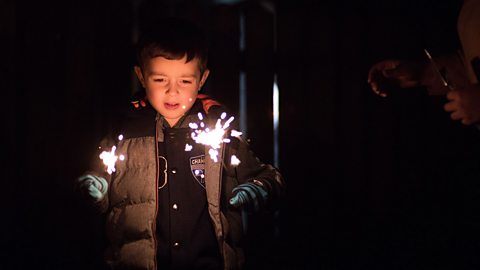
[{"x": 197, "y": 166}]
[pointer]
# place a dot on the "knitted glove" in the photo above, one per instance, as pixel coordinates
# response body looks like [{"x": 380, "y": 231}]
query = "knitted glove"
[
  {"x": 249, "y": 196},
  {"x": 95, "y": 187}
]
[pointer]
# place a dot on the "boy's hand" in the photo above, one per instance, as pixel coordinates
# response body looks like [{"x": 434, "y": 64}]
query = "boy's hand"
[
  {"x": 95, "y": 187},
  {"x": 249, "y": 196}
]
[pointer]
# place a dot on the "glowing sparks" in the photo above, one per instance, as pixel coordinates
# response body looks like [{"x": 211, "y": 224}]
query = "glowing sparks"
[
  {"x": 235, "y": 133},
  {"x": 213, "y": 137},
  {"x": 199, "y": 172},
  {"x": 234, "y": 160},
  {"x": 213, "y": 154},
  {"x": 188, "y": 147},
  {"x": 109, "y": 158},
  {"x": 193, "y": 126}
]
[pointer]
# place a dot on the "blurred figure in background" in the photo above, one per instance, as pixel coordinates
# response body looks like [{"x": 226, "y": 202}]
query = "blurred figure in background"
[{"x": 460, "y": 69}]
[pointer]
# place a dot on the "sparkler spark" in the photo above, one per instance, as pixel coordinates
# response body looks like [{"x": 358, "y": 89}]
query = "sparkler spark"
[
  {"x": 235, "y": 133},
  {"x": 109, "y": 158},
  {"x": 213, "y": 137},
  {"x": 213, "y": 154},
  {"x": 234, "y": 160},
  {"x": 198, "y": 172}
]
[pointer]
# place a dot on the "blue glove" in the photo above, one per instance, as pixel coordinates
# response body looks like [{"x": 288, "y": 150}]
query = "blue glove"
[
  {"x": 96, "y": 187},
  {"x": 249, "y": 195}
]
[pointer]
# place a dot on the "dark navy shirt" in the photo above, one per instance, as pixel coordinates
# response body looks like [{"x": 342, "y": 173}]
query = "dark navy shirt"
[{"x": 185, "y": 234}]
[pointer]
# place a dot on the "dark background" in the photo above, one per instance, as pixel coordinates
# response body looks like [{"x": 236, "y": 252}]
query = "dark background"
[{"x": 372, "y": 183}]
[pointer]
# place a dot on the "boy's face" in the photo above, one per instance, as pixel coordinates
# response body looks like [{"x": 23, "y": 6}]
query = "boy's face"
[{"x": 171, "y": 85}]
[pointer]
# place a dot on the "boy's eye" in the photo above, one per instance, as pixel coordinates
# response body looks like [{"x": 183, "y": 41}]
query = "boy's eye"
[
  {"x": 186, "y": 81},
  {"x": 158, "y": 80}
]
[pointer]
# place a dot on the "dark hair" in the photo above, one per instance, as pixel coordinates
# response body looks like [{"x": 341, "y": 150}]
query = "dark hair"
[{"x": 172, "y": 38}]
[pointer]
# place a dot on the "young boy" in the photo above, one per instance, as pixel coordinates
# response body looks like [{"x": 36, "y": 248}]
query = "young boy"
[{"x": 173, "y": 203}]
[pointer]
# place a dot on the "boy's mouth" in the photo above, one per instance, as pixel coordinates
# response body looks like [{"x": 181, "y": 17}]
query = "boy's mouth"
[{"x": 171, "y": 106}]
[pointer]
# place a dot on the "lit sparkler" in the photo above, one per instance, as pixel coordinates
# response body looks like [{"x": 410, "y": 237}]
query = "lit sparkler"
[
  {"x": 109, "y": 158},
  {"x": 213, "y": 137},
  {"x": 440, "y": 72}
]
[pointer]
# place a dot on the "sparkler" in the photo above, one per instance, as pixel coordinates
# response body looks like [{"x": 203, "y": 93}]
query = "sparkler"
[
  {"x": 441, "y": 73},
  {"x": 109, "y": 158},
  {"x": 213, "y": 137}
]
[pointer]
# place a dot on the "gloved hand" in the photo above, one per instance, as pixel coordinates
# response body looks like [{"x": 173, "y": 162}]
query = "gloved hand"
[
  {"x": 94, "y": 186},
  {"x": 249, "y": 196}
]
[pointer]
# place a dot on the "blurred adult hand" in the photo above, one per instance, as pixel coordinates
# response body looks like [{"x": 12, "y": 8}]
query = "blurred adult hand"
[
  {"x": 390, "y": 74},
  {"x": 464, "y": 104}
]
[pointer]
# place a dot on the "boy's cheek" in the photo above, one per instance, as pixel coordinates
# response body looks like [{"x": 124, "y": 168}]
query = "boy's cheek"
[
  {"x": 154, "y": 93},
  {"x": 189, "y": 102},
  {"x": 192, "y": 98}
]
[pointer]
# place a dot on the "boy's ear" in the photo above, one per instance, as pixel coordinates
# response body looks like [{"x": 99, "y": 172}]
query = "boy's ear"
[
  {"x": 139, "y": 73},
  {"x": 204, "y": 78}
]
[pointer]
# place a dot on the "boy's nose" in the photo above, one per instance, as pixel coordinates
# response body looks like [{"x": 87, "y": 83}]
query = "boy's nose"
[{"x": 171, "y": 90}]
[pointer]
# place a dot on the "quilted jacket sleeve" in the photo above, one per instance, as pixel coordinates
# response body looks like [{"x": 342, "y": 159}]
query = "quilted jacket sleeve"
[{"x": 251, "y": 169}]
